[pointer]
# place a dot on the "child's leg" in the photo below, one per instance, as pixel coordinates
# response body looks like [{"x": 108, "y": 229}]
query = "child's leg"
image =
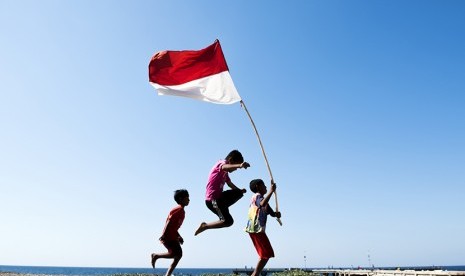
[
  {"x": 213, "y": 225},
  {"x": 174, "y": 252},
  {"x": 260, "y": 265},
  {"x": 219, "y": 207},
  {"x": 230, "y": 197},
  {"x": 173, "y": 265},
  {"x": 265, "y": 251},
  {"x": 155, "y": 257}
]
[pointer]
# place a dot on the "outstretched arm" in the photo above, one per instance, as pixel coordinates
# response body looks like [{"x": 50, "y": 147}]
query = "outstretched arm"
[{"x": 226, "y": 167}]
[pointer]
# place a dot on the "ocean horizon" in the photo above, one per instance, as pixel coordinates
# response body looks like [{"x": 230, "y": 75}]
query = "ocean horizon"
[{"x": 100, "y": 271}]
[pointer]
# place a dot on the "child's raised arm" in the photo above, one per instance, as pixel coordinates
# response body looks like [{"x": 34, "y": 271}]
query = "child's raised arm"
[{"x": 264, "y": 202}]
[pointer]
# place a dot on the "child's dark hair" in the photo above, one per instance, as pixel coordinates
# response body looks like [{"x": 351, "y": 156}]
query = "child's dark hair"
[
  {"x": 179, "y": 195},
  {"x": 254, "y": 183},
  {"x": 235, "y": 157}
]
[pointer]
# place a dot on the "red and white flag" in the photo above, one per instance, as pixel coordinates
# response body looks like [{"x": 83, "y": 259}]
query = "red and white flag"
[{"x": 201, "y": 75}]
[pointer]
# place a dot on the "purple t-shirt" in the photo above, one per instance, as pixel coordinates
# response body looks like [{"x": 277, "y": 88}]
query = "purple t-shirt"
[{"x": 216, "y": 181}]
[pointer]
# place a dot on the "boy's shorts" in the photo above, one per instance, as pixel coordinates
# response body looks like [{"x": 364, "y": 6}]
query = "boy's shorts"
[
  {"x": 262, "y": 245},
  {"x": 174, "y": 247},
  {"x": 220, "y": 207}
]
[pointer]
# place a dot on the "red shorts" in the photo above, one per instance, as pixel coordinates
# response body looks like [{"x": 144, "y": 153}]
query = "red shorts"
[{"x": 262, "y": 245}]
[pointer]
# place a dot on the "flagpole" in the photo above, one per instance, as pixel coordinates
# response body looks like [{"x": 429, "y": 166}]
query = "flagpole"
[{"x": 264, "y": 155}]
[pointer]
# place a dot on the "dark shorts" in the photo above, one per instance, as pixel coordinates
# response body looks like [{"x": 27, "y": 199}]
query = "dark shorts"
[
  {"x": 262, "y": 245},
  {"x": 174, "y": 247},
  {"x": 220, "y": 207}
]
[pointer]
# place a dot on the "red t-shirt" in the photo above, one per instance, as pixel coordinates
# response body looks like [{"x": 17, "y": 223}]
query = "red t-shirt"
[{"x": 173, "y": 223}]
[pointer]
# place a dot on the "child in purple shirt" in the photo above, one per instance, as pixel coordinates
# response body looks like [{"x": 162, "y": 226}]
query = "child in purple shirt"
[{"x": 217, "y": 200}]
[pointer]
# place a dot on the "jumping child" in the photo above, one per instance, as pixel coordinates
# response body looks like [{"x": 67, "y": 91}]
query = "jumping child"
[
  {"x": 217, "y": 200},
  {"x": 256, "y": 224},
  {"x": 170, "y": 237}
]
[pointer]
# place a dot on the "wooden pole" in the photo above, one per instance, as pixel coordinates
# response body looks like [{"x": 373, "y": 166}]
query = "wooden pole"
[{"x": 264, "y": 155}]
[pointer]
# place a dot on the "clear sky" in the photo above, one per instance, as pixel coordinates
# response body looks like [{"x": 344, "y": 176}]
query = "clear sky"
[{"x": 360, "y": 106}]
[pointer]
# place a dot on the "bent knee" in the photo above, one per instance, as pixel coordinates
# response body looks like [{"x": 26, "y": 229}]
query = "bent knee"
[{"x": 228, "y": 222}]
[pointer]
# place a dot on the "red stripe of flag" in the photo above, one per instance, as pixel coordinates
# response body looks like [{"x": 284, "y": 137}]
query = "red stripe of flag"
[{"x": 178, "y": 67}]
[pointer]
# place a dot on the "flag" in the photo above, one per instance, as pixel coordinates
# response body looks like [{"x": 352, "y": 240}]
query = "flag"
[{"x": 197, "y": 74}]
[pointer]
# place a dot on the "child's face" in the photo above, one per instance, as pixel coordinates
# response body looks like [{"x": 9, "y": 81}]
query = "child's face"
[
  {"x": 262, "y": 188},
  {"x": 185, "y": 201}
]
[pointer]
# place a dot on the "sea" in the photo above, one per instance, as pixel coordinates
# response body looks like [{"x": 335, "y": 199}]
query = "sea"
[{"x": 101, "y": 271}]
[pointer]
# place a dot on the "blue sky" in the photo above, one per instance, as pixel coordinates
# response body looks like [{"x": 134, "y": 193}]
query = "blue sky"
[{"x": 360, "y": 106}]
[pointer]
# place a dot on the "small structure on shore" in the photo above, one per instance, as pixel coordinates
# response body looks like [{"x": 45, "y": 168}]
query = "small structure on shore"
[{"x": 386, "y": 272}]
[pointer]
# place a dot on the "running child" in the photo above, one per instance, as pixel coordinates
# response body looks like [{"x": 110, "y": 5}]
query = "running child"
[
  {"x": 217, "y": 200},
  {"x": 170, "y": 237},
  {"x": 256, "y": 224}
]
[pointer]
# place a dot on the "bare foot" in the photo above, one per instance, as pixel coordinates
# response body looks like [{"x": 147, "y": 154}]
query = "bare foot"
[
  {"x": 154, "y": 259},
  {"x": 201, "y": 228}
]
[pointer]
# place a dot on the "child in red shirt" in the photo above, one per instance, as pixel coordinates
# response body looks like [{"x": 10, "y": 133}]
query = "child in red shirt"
[{"x": 170, "y": 237}]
